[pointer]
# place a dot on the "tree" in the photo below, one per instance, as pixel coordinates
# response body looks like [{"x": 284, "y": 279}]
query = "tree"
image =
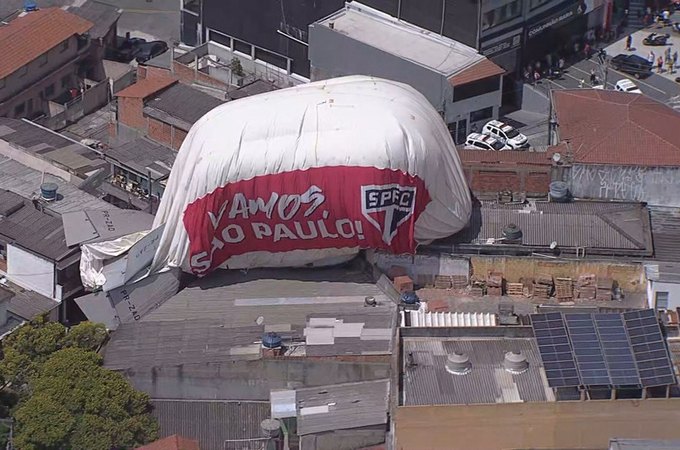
[
  {"x": 77, "y": 404},
  {"x": 85, "y": 335},
  {"x": 236, "y": 67}
]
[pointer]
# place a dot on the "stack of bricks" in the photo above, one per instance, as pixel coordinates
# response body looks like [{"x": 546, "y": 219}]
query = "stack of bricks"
[
  {"x": 605, "y": 286},
  {"x": 442, "y": 282},
  {"x": 403, "y": 284},
  {"x": 494, "y": 284},
  {"x": 459, "y": 282},
  {"x": 564, "y": 289},
  {"x": 543, "y": 287},
  {"x": 477, "y": 288},
  {"x": 586, "y": 287}
]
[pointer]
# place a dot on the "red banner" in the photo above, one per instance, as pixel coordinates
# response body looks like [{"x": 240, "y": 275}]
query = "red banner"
[{"x": 320, "y": 208}]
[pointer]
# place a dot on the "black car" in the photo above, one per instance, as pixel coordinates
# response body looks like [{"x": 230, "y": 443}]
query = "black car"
[
  {"x": 127, "y": 49},
  {"x": 656, "y": 39},
  {"x": 632, "y": 64},
  {"x": 149, "y": 50}
]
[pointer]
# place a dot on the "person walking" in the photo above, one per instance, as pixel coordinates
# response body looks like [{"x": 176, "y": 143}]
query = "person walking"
[
  {"x": 659, "y": 65},
  {"x": 669, "y": 64},
  {"x": 629, "y": 42},
  {"x": 651, "y": 57},
  {"x": 675, "y": 58},
  {"x": 593, "y": 77}
]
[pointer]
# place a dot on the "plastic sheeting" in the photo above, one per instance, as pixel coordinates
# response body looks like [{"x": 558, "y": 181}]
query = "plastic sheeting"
[{"x": 311, "y": 174}]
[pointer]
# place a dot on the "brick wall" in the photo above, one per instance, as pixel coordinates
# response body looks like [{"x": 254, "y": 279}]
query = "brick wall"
[
  {"x": 160, "y": 132},
  {"x": 130, "y": 112},
  {"x": 178, "y": 138}
]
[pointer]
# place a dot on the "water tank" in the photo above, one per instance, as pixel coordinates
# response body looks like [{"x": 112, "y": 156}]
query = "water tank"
[
  {"x": 515, "y": 362},
  {"x": 410, "y": 298},
  {"x": 458, "y": 363},
  {"x": 512, "y": 232},
  {"x": 48, "y": 191},
  {"x": 370, "y": 301},
  {"x": 271, "y": 340},
  {"x": 559, "y": 191}
]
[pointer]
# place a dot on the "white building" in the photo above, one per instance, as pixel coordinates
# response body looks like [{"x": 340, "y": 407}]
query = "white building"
[
  {"x": 463, "y": 85},
  {"x": 663, "y": 285}
]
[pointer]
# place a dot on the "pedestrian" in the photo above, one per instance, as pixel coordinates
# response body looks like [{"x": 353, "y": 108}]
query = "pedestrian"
[
  {"x": 629, "y": 42},
  {"x": 669, "y": 64},
  {"x": 593, "y": 77},
  {"x": 667, "y": 53},
  {"x": 659, "y": 64},
  {"x": 651, "y": 57},
  {"x": 537, "y": 76},
  {"x": 561, "y": 62},
  {"x": 586, "y": 50},
  {"x": 675, "y": 58},
  {"x": 581, "y": 83}
]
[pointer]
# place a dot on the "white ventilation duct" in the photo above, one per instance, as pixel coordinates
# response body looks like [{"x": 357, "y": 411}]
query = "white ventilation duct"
[
  {"x": 515, "y": 362},
  {"x": 458, "y": 364}
]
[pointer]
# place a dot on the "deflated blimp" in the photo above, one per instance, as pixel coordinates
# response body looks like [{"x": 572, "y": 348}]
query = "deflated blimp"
[{"x": 309, "y": 176}]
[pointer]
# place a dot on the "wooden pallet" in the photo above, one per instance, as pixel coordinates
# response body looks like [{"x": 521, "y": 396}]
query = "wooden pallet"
[{"x": 515, "y": 289}]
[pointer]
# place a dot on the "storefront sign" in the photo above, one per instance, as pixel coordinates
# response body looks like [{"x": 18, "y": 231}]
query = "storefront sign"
[
  {"x": 501, "y": 46},
  {"x": 565, "y": 15}
]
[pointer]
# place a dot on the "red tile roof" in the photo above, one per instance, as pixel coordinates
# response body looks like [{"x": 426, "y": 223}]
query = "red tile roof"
[
  {"x": 147, "y": 86},
  {"x": 27, "y": 37},
  {"x": 610, "y": 127},
  {"x": 506, "y": 157},
  {"x": 478, "y": 71},
  {"x": 174, "y": 442}
]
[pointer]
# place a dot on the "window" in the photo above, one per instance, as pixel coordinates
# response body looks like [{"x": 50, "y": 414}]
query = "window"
[
  {"x": 482, "y": 114},
  {"x": 23, "y": 71},
  {"x": 64, "y": 46},
  {"x": 661, "y": 300},
  {"x": 475, "y": 88},
  {"x": 49, "y": 91},
  {"x": 192, "y": 5},
  {"x": 502, "y": 14},
  {"x": 242, "y": 47},
  {"x": 19, "y": 109},
  {"x": 42, "y": 59},
  {"x": 271, "y": 58},
  {"x": 533, "y": 4},
  {"x": 65, "y": 81}
]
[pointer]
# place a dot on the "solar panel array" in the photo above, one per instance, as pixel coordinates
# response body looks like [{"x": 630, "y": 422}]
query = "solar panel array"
[
  {"x": 556, "y": 353},
  {"x": 649, "y": 348},
  {"x": 619, "y": 350}
]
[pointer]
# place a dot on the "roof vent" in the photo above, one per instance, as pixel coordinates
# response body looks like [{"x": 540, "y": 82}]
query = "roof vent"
[
  {"x": 559, "y": 192},
  {"x": 515, "y": 362},
  {"x": 48, "y": 191},
  {"x": 512, "y": 232},
  {"x": 331, "y": 25},
  {"x": 271, "y": 340},
  {"x": 370, "y": 301},
  {"x": 458, "y": 363}
]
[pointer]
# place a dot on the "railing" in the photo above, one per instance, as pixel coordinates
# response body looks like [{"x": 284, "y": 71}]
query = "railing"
[{"x": 85, "y": 103}]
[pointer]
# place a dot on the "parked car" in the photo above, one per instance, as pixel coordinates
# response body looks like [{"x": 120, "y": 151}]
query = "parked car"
[
  {"x": 625, "y": 85},
  {"x": 505, "y": 133},
  {"x": 478, "y": 141},
  {"x": 656, "y": 39},
  {"x": 127, "y": 49},
  {"x": 149, "y": 50},
  {"x": 634, "y": 65}
]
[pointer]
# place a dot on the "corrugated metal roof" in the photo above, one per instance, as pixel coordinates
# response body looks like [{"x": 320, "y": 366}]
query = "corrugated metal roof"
[
  {"x": 665, "y": 272},
  {"x": 623, "y": 227},
  {"x": 217, "y": 425},
  {"x": 427, "y": 382},
  {"x": 422, "y": 318},
  {"x": 149, "y": 344},
  {"x": 10, "y": 202},
  {"x": 342, "y": 406},
  {"x": 142, "y": 154},
  {"x": 37, "y": 232},
  {"x": 25, "y": 181},
  {"x": 29, "y": 305},
  {"x": 103, "y": 16},
  {"x": 256, "y": 87},
  {"x": 183, "y": 102},
  {"x": 665, "y": 225}
]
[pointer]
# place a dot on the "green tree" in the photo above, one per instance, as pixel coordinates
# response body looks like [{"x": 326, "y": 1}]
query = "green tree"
[
  {"x": 85, "y": 335},
  {"x": 77, "y": 404}
]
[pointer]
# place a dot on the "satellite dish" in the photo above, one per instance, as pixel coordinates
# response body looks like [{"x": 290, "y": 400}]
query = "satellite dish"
[
  {"x": 556, "y": 157},
  {"x": 553, "y": 245}
]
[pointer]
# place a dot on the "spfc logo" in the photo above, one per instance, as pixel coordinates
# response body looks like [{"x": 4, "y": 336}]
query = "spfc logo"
[{"x": 387, "y": 207}]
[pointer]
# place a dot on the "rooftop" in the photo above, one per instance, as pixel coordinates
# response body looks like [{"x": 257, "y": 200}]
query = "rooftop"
[
  {"x": 103, "y": 16},
  {"x": 610, "y": 127},
  {"x": 216, "y": 425},
  {"x": 254, "y": 88},
  {"x": 643, "y": 444},
  {"x": 26, "y": 182},
  {"x": 664, "y": 272},
  {"x": 28, "y": 304},
  {"x": 440, "y": 54},
  {"x": 665, "y": 225},
  {"x": 323, "y": 308},
  {"x": 30, "y": 35},
  {"x": 505, "y": 158},
  {"x": 37, "y": 232},
  {"x": 428, "y": 382},
  {"x": 143, "y": 155},
  {"x": 600, "y": 227},
  {"x": 53, "y": 147},
  {"x": 181, "y": 105},
  {"x": 147, "y": 86},
  {"x": 174, "y": 442}
]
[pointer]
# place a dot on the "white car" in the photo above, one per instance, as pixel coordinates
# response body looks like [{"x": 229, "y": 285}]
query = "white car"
[
  {"x": 478, "y": 141},
  {"x": 625, "y": 85},
  {"x": 506, "y": 133}
]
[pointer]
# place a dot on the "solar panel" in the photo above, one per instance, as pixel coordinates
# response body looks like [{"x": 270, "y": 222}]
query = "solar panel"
[
  {"x": 649, "y": 348},
  {"x": 555, "y": 349},
  {"x": 587, "y": 350},
  {"x": 617, "y": 352}
]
